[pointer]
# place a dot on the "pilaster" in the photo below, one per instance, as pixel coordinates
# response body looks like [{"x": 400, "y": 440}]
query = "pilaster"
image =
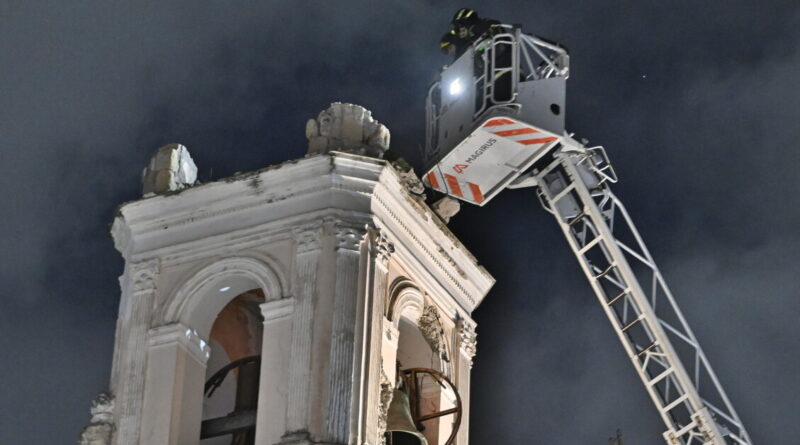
[
  {"x": 130, "y": 350},
  {"x": 173, "y": 403},
  {"x": 342, "y": 360},
  {"x": 373, "y": 388},
  {"x": 274, "y": 377},
  {"x": 467, "y": 347},
  {"x": 307, "y": 255}
]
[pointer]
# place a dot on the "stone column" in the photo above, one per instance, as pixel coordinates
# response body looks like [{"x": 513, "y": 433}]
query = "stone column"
[
  {"x": 467, "y": 340},
  {"x": 173, "y": 394},
  {"x": 307, "y": 255},
  {"x": 341, "y": 361},
  {"x": 127, "y": 378},
  {"x": 274, "y": 377}
]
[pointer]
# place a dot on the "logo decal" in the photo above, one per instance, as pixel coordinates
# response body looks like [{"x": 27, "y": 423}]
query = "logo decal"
[{"x": 460, "y": 167}]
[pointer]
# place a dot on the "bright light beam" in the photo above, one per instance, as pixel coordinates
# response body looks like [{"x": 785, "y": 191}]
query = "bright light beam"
[{"x": 456, "y": 88}]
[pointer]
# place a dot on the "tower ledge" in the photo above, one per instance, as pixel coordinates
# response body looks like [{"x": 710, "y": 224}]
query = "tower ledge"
[{"x": 239, "y": 212}]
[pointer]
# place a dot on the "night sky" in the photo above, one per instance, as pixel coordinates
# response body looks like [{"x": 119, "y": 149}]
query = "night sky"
[{"x": 697, "y": 104}]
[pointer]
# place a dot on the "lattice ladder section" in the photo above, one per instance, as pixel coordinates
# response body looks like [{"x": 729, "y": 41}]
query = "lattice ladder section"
[{"x": 574, "y": 187}]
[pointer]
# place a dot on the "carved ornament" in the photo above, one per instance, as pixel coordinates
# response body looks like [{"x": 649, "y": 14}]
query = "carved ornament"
[
  {"x": 101, "y": 426},
  {"x": 430, "y": 324},
  {"x": 468, "y": 339},
  {"x": 143, "y": 275}
]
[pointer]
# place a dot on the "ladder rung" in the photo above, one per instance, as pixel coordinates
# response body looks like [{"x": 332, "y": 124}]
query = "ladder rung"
[
  {"x": 605, "y": 272},
  {"x": 614, "y": 300},
  {"x": 563, "y": 193},
  {"x": 675, "y": 403},
  {"x": 578, "y": 217},
  {"x": 630, "y": 325},
  {"x": 692, "y": 425},
  {"x": 660, "y": 377},
  {"x": 589, "y": 245},
  {"x": 645, "y": 350}
]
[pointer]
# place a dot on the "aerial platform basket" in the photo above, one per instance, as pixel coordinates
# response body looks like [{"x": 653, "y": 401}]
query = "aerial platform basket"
[{"x": 492, "y": 113}]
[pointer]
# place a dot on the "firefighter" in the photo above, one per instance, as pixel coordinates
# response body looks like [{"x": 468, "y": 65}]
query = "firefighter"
[
  {"x": 469, "y": 27},
  {"x": 450, "y": 45},
  {"x": 465, "y": 29}
]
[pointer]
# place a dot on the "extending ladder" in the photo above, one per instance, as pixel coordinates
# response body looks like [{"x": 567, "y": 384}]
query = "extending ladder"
[{"x": 575, "y": 187}]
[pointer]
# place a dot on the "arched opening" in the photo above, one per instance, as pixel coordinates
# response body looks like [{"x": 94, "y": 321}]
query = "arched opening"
[
  {"x": 232, "y": 372},
  {"x": 223, "y": 297},
  {"x": 418, "y": 349}
]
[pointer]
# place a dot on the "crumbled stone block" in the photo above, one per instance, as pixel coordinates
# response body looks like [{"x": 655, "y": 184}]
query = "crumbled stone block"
[
  {"x": 348, "y": 128},
  {"x": 446, "y": 208},
  {"x": 171, "y": 168}
]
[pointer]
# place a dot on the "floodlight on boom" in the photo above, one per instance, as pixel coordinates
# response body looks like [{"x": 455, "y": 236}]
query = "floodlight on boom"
[{"x": 456, "y": 87}]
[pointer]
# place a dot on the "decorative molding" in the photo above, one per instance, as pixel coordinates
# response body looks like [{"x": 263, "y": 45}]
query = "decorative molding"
[
  {"x": 277, "y": 309},
  {"x": 456, "y": 282},
  {"x": 403, "y": 296},
  {"x": 101, "y": 426},
  {"x": 383, "y": 247},
  {"x": 180, "y": 334},
  {"x": 186, "y": 297},
  {"x": 295, "y": 180},
  {"x": 144, "y": 275},
  {"x": 468, "y": 339},
  {"x": 430, "y": 324},
  {"x": 307, "y": 238},
  {"x": 260, "y": 238},
  {"x": 348, "y": 237}
]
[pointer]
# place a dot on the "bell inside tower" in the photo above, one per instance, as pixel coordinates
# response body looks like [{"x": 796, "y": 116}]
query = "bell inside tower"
[
  {"x": 425, "y": 407},
  {"x": 232, "y": 374}
]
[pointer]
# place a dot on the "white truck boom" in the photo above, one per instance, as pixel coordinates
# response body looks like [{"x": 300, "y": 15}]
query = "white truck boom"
[{"x": 495, "y": 120}]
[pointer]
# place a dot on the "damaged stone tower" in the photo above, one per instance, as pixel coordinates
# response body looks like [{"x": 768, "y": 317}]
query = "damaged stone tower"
[{"x": 277, "y": 306}]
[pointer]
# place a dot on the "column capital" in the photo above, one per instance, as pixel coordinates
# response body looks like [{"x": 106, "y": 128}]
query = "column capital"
[
  {"x": 178, "y": 333},
  {"x": 277, "y": 309},
  {"x": 143, "y": 275},
  {"x": 348, "y": 236},
  {"x": 307, "y": 237}
]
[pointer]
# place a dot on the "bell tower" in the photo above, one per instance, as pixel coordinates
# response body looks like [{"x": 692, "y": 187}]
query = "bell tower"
[{"x": 289, "y": 305}]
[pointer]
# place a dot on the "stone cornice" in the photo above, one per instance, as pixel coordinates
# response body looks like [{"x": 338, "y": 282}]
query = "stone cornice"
[
  {"x": 423, "y": 243},
  {"x": 248, "y": 208},
  {"x": 309, "y": 185}
]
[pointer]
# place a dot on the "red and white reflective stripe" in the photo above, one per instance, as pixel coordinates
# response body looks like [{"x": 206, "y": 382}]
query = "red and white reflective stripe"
[
  {"x": 496, "y": 122},
  {"x": 435, "y": 181},
  {"x": 454, "y": 186},
  {"x": 432, "y": 180},
  {"x": 515, "y": 131},
  {"x": 477, "y": 195}
]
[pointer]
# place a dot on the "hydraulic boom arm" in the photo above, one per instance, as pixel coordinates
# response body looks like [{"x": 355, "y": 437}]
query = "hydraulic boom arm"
[{"x": 495, "y": 120}]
